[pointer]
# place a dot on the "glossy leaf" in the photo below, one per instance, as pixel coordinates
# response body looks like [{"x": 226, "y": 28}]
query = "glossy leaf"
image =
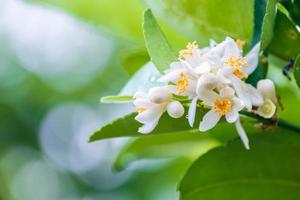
[
  {"x": 158, "y": 47},
  {"x": 269, "y": 170},
  {"x": 189, "y": 145},
  {"x": 286, "y": 39},
  {"x": 116, "y": 99},
  {"x": 297, "y": 70},
  {"x": 133, "y": 60},
  {"x": 259, "y": 13},
  {"x": 144, "y": 79},
  {"x": 268, "y": 24},
  {"x": 202, "y": 20},
  {"x": 128, "y": 126}
]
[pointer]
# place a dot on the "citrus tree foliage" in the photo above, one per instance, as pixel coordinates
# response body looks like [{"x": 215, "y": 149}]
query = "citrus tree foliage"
[{"x": 220, "y": 166}]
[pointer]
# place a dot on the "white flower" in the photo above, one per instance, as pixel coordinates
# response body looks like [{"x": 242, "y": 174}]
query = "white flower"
[
  {"x": 151, "y": 106},
  {"x": 149, "y": 113},
  {"x": 267, "y": 90},
  {"x": 182, "y": 75},
  {"x": 246, "y": 92},
  {"x": 223, "y": 104}
]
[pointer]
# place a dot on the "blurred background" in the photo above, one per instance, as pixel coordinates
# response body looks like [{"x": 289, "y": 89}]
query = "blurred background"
[{"x": 57, "y": 58}]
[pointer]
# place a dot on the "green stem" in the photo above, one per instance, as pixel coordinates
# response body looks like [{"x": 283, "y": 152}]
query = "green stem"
[{"x": 276, "y": 121}]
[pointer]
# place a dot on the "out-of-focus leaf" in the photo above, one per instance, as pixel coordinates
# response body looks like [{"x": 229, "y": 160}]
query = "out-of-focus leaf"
[
  {"x": 269, "y": 170},
  {"x": 297, "y": 70},
  {"x": 259, "y": 13},
  {"x": 113, "y": 14},
  {"x": 144, "y": 79},
  {"x": 286, "y": 39},
  {"x": 134, "y": 60},
  {"x": 190, "y": 145},
  {"x": 116, "y": 99},
  {"x": 158, "y": 47},
  {"x": 202, "y": 20},
  {"x": 268, "y": 24}
]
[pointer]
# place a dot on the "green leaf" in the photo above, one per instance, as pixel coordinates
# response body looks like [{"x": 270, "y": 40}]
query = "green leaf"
[
  {"x": 268, "y": 24},
  {"x": 297, "y": 70},
  {"x": 112, "y": 14},
  {"x": 116, "y": 99},
  {"x": 259, "y": 13},
  {"x": 202, "y": 20},
  {"x": 128, "y": 126},
  {"x": 144, "y": 79},
  {"x": 189, "y": 145},
  {"x": 286, "y": 39},
  {"x": 269, "y": 170},
  {"x": 133, "y": 60},
  {"x": 158, "y": 47}
]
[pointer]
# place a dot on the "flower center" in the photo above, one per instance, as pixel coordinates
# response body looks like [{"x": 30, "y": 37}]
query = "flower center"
[
  {"x": 188, "y": 51},
  {"x": 240, "y": 43},
  {"x": 239, "y": 73},
  {"x": 182, "y": 83},
  {"x": 222, "y": 106},
  {"x": 236, "y": 62},
  {"x": 140, "y": 110}
]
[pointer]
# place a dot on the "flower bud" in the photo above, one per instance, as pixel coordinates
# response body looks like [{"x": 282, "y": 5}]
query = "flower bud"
[
  {"x": 267, "y": 89},
  {"x": 175, "y": 109},
  {"x": 267, "y": 110},
  {"x": 159, "y": 95},
  {"x": 227, "y": 92}
]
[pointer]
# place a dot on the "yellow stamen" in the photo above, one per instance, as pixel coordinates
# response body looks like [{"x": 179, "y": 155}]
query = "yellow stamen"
[
  {"x": 240, "y": 43},
  {"x": 239, "y": 73},
  {"x": 140, "y": 110},
  {"x": 222, "y": 106},
  {"x": 237, "y": 62},
  {"x": 182, "y": 83},
  {"x": 190, "y": 47}
]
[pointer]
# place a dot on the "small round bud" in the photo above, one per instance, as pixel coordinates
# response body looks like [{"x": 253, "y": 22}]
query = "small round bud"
[
  {"x": 159, "y": 95},
  {"x": 175, "y": 109},
  {"x": 267, "y": 110},
  {"x": 267, "y": 89},
  {"x": 227, "y": 92}
]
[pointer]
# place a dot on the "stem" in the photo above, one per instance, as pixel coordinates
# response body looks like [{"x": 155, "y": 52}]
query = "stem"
[{"x": 274, "y": 121}]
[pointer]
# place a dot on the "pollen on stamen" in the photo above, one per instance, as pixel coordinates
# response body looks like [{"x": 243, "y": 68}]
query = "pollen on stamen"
[
  {"x": 240, "y": 43},
  {"x": 190, "y": 47},
  {"x": 240, "y": 74},
  {"x": 237, "y": 62},
  {"x": 222, "y": 106},
  {"x": 182, "y": 83},
  {"x": 140, "y": 110}
]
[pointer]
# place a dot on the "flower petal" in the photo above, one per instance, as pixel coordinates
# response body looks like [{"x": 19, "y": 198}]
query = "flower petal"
[
  {"x": 192, "y": 111},
  {"x": 238, "y": 86},
  {"x": 203, "y": 68},
  {"x": 148, "y": 115},
  {"x": 209, "y": 120},
  {"x": 252, "y": 59},
  {"x": 232, "y": 116},
  {"x": 148, "y": 127},
  {"x": 267, "y": 89},
  {"x": 255, "y": 97},
  {"x": 242, "y": 134},
  {"x": 171, "y": 76}
]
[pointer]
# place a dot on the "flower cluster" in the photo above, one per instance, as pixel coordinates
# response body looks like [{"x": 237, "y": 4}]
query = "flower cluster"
[{"x": 213, "y": 77}]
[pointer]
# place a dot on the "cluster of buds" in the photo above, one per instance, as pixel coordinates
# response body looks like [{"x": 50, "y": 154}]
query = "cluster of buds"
[{"x": 214, "y": 77}]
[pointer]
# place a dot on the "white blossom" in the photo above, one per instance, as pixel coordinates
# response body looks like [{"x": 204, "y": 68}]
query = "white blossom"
[{"x": 267, "y": 89}]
